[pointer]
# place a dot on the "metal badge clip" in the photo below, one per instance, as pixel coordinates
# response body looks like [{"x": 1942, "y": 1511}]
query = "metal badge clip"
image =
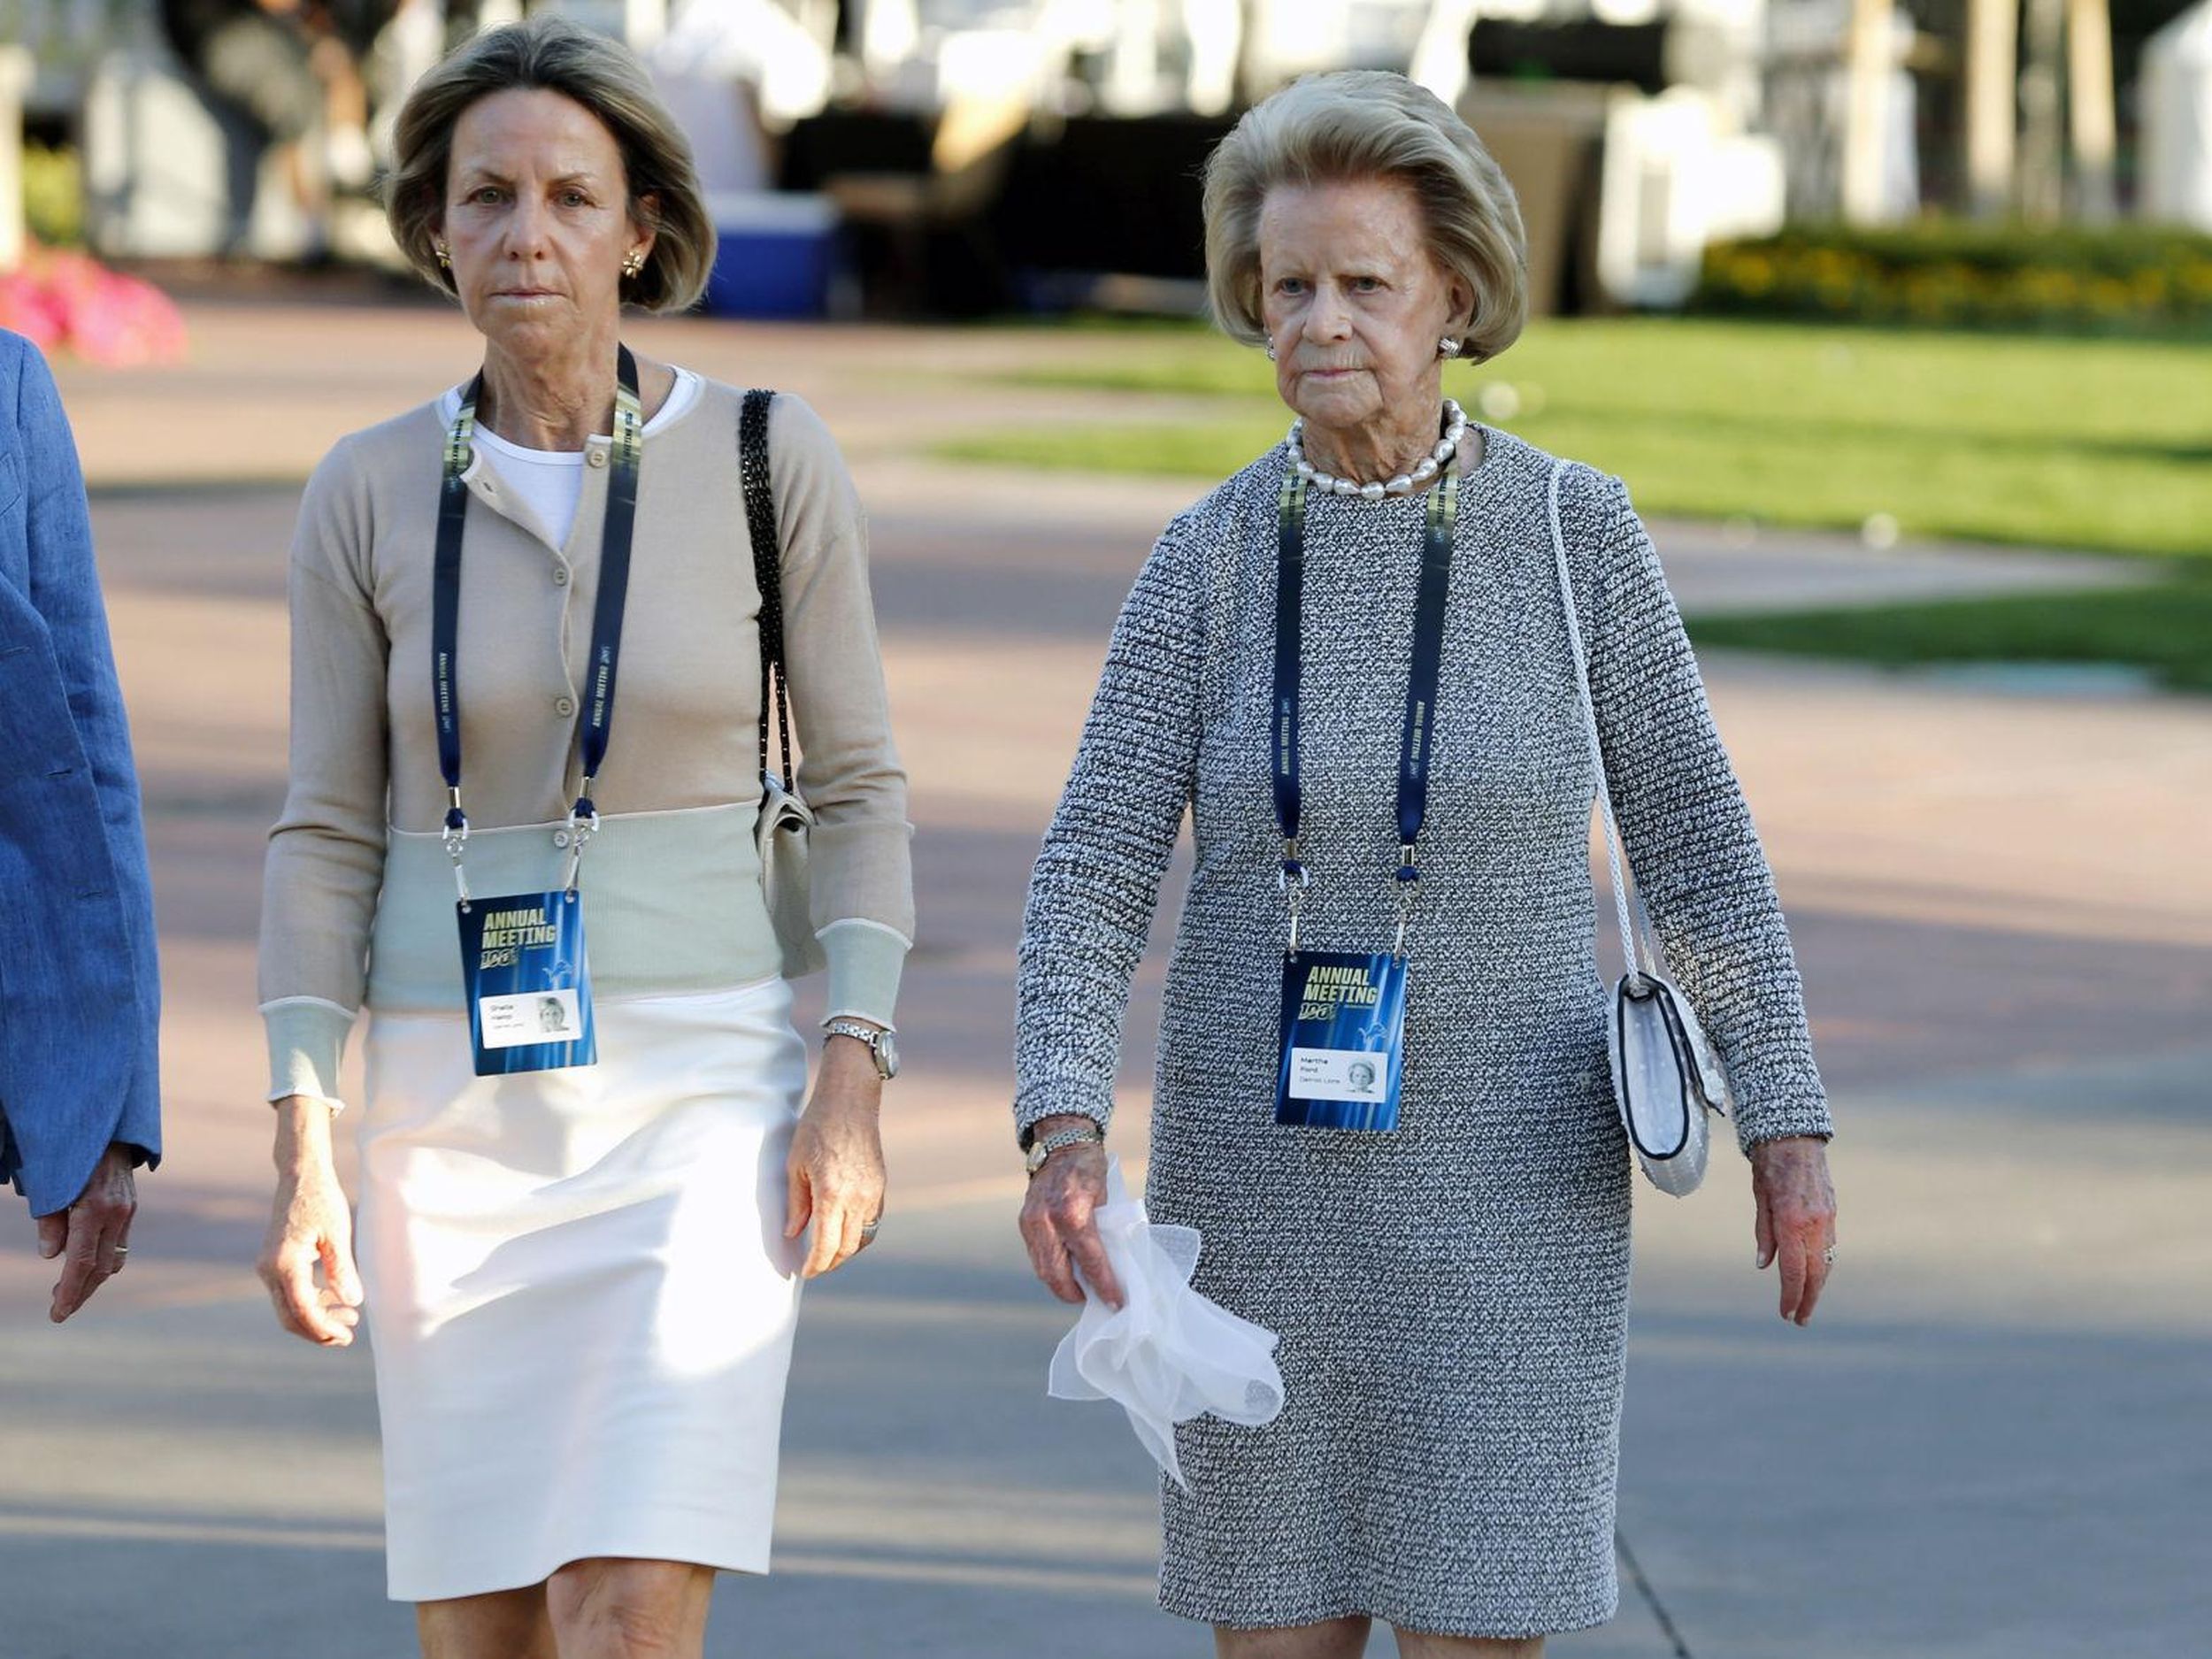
[
  {"x": 1409, "y": 890},
  {"x": 583, "y": 823},
  {"x": 457, "y": 838},
  {"x": 1291, "y": 880}
]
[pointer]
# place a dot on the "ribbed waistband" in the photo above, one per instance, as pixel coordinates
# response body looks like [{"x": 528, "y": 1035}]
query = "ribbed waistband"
[{"x": 671, "y": 904}]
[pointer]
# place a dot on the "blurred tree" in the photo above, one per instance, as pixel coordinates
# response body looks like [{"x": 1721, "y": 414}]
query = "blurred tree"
[
  {"x": 2089, "y": 108},
  {"x": 2041, "y": 132},
  {"x": 2042, "y": 191},
  {"x": 1868, "y": 64},
  {"x": 1992, "y": 75}
]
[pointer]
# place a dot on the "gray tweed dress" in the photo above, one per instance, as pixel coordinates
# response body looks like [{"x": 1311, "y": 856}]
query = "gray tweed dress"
[{"x": 1452, "y": 1298}]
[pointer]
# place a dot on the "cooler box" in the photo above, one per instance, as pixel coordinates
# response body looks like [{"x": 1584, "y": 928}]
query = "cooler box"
[{"x": 774, "y": 255}]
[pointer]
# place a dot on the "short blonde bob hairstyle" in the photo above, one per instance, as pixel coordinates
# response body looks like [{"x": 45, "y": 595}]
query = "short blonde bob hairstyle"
[
  {"x": 551, "y": 53},
  {"x": 1359, "y": 124}
]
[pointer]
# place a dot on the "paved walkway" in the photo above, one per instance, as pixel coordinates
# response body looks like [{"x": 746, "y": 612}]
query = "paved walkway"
[
  {"x": 1991, "y": 1445},
  {"x": 272, "y": 384}
]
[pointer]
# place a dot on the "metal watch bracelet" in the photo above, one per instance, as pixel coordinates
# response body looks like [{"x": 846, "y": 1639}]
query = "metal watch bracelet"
[{"x": 881, "y": 1042}]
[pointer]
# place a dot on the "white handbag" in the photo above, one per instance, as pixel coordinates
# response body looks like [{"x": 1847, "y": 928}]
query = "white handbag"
[
  {"x": 786, "y": 824},
  {"x": 1666, "y": 1076}
]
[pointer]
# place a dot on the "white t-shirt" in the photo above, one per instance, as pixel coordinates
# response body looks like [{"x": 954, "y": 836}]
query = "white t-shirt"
[{"x": 551, "y": 482}]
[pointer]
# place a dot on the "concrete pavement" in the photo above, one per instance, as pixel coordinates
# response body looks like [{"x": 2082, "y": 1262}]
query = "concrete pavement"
[
  {"x": 273, "y": 382},
  {"x": 1991, "y": 1443}
]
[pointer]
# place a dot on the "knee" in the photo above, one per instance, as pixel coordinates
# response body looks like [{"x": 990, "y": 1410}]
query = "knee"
[
  {"x": 616, "y": 1613},
  {"x": 640, "y": 1628}
]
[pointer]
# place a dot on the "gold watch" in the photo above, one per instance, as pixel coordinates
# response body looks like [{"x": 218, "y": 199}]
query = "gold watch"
[{"x": 1044, "y": 1146}]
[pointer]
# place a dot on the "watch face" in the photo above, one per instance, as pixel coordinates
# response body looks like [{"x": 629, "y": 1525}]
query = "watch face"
[{"x": 886, "y": 1055}]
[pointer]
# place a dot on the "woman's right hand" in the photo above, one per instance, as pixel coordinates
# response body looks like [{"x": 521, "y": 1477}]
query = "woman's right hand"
[
  {"x": 311, "y": 1231},
  {"x": 1058, "y": 1219}
]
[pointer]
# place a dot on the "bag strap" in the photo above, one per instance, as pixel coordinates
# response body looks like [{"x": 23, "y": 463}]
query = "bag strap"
[
  {"x": 760, "y": 522},
  {"x": 1636, "y": 949}
]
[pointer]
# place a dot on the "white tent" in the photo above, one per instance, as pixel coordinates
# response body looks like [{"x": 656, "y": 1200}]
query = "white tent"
[{"x": 2177, "y": 104}]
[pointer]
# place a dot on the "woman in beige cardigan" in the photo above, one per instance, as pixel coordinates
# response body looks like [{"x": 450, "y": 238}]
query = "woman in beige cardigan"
[{"x": 583, "y": 1278}]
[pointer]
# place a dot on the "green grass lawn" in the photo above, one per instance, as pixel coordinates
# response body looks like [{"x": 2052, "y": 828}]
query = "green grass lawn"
[
  {"x": 2165, "y": 629},
  {"x": 2080, "y": 443}
]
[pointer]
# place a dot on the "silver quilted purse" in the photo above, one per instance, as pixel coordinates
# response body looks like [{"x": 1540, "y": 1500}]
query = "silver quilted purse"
[{"x": 1666, "y": 1076}]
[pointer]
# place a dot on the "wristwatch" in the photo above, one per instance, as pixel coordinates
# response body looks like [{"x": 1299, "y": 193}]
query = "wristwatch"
[
  {"x": 877, "y": 1039},
  {"x": 1044, "y": 1146}
]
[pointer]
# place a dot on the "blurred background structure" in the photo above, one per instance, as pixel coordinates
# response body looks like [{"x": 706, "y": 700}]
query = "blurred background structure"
[{"x": 962, "y": 157}]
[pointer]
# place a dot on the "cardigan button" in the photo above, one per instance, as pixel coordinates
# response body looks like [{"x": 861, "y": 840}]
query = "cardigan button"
[
  {"x": 598, "y": 456},
  {"x": 560, "y": 575},
  {"x": 560, "y": 838},
  {"x": 564, "y": 706}
]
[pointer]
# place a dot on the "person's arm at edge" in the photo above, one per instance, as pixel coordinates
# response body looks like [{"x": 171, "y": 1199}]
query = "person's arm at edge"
[{"x": 65, "y": 591}]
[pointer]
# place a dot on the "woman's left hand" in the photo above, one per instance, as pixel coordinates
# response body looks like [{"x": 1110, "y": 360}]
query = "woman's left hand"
[
  {"x": 836, "y": 1164},
  {"x": 1796, "y": 1222}
]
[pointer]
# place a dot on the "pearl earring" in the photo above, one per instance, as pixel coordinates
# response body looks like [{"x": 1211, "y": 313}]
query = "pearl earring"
[
  {"x": 1271, "y": 351},
  {"x": 634, "y": 264},
  {"x": 445, "y": 260},
  {"x": 1447, "y": 347}
]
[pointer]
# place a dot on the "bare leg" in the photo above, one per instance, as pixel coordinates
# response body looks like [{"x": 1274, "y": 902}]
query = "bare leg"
[
  {"x": 505, "y": 1624},
  {"x": 1413, "y": 1644},
  {"x": 1336, "y": 1639},
  {"x": 614, "y": 1608}
]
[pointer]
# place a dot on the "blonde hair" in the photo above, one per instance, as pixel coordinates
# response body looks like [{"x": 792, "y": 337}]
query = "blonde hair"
[
  {"x": 1358, "y": 124},
  {"x": 550, "y": 53}
]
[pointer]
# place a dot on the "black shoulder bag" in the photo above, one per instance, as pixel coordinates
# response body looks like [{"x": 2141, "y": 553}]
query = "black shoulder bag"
[{"x": 786, "y": 823}]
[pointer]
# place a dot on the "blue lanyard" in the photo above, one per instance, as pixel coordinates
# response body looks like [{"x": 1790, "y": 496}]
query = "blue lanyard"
[
  {"x": 597, "y": 721},
  {"x": 1416, "y": 741}
]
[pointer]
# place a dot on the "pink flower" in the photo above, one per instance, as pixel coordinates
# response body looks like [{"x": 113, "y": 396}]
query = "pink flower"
[
  {"x": 61, "y": 298},
  {"x": 122, "y": 322},
  {"x": 28, "y": 309}
]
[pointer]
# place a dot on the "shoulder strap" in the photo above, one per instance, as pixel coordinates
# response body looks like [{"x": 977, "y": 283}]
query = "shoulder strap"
[
  {"x": 1631, "y": 940},
  {"x": 760, "y": 522}
]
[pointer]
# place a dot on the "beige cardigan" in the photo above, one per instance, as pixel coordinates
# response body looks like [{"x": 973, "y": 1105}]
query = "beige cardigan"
[{"x": 359, "y": 902}]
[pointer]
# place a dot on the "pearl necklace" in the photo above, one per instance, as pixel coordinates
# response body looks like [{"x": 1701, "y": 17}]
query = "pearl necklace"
[{"x": 1405, "y": 484}]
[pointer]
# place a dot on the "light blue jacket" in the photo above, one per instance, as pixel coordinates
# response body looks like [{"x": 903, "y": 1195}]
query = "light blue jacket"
[{"x": 80, "y": 991}]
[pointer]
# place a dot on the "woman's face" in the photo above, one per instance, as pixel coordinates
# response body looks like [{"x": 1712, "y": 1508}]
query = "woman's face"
[
  {"x": 1355, "y": 302},
  {"x": 537, "y": 219}
]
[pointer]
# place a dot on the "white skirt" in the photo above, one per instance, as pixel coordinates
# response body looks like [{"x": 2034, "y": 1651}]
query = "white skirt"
[{"x": 580, "y": 1294}]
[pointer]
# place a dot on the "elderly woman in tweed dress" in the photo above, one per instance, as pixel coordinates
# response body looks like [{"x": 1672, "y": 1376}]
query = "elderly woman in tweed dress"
[{"x": 1452, "y": 1295}]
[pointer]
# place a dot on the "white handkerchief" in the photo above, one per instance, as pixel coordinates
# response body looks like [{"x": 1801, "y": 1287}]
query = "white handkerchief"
[{"x": 1169, "y": 1354}]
